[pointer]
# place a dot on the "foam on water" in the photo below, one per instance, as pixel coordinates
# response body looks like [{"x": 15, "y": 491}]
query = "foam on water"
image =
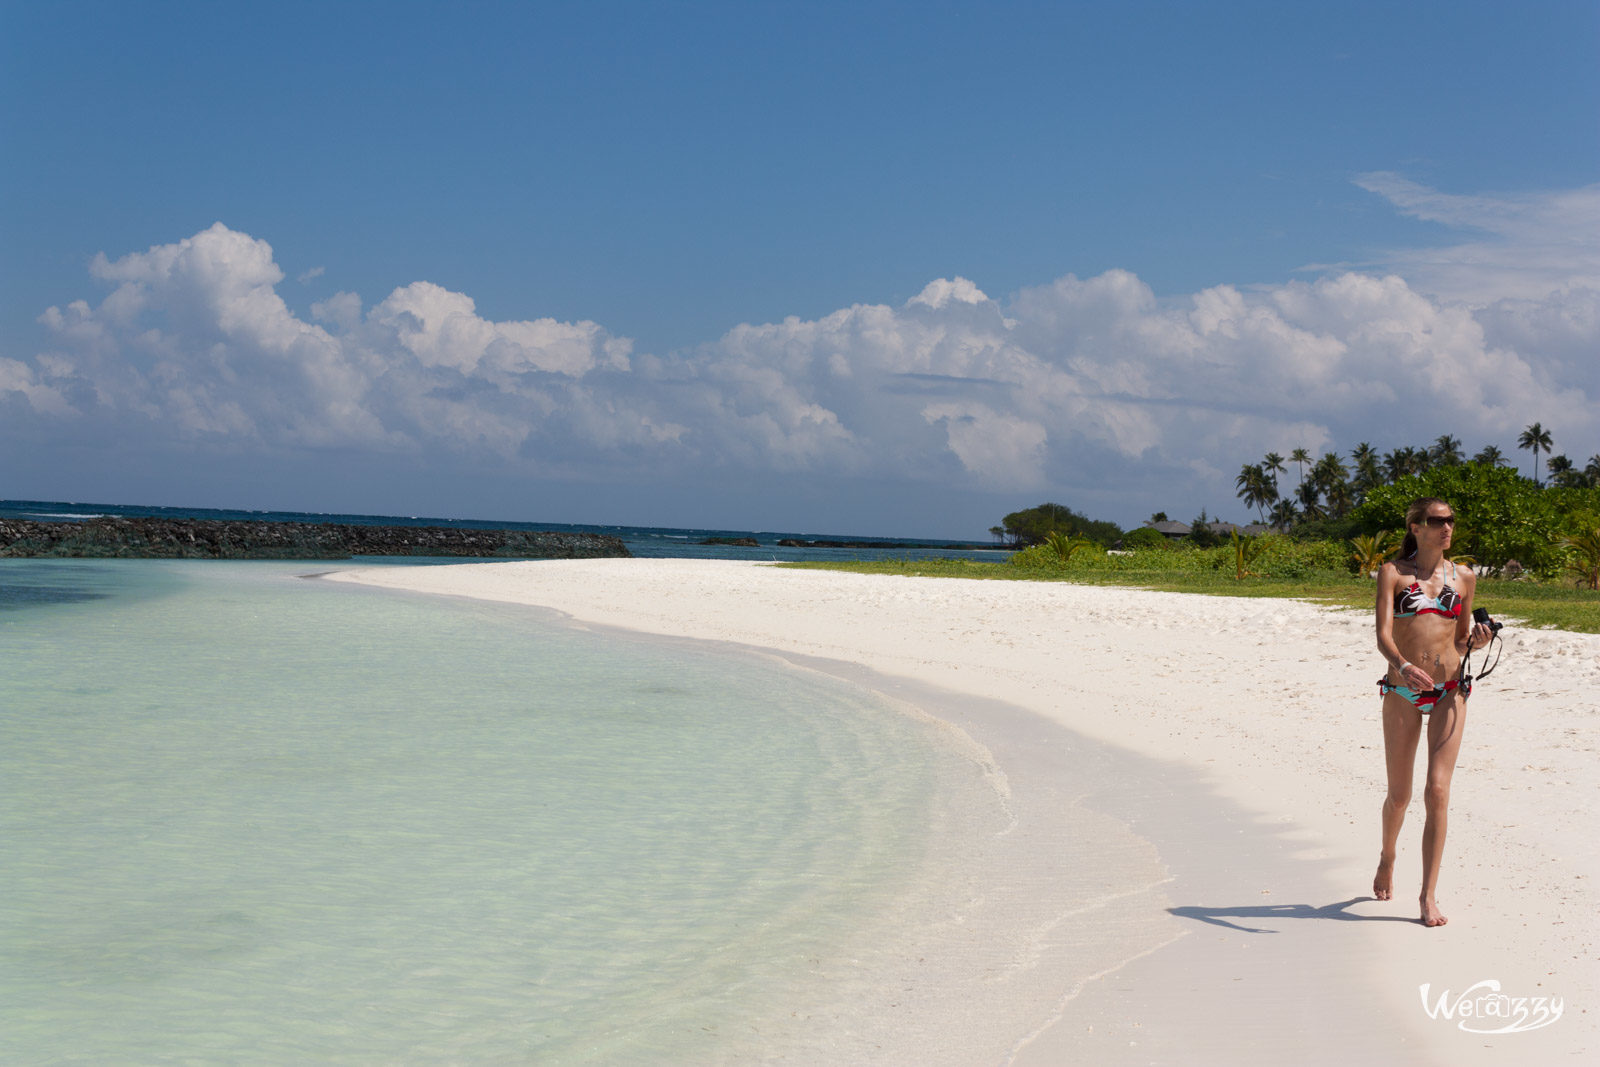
[{"x": 255, "y": 819}]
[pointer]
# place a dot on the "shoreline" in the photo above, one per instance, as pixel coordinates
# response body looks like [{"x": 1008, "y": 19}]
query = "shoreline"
[{"x": 1261, "y": 805}]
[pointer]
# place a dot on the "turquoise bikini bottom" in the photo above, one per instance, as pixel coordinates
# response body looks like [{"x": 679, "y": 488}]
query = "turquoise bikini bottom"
[{"x": 1425, "y": 700}]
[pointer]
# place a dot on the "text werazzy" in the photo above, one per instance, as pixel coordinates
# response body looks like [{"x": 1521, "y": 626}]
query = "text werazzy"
[{"x": 1483, "y": 1009}]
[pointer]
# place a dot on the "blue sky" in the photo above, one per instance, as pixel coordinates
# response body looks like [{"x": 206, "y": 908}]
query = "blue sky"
[{"x": 871, "y": 268}]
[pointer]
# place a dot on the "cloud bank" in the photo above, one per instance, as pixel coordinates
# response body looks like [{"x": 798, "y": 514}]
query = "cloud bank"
[{"x": 1079, "y": 382}]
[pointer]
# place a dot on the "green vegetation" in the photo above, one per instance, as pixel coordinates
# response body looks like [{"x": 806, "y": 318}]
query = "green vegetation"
[
  {"x": 1537, "y": 439},
  {"x": 1583, "y": 554},
  {"x": 1371, "y": 550},
  {"x": 1035, "y": 525},
  {"x": 1330, "y": 490},
  {"x": 1143, "y": 537},
  {"x": 1066, "y": 547},
  {"x": 1201, "y": 535},
  {"x": 1503, "y": 516},
  {"x": 1246, "y": 550},
  {"x": 1338, "y": 525},
  {"x": 1550, "y": 530}
]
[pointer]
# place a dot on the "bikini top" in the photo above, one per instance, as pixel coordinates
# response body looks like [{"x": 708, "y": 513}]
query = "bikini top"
[{"x": 1413, "y": 601}]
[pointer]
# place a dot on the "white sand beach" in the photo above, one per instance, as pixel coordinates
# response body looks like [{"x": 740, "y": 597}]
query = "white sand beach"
[{"x": 1196, "y": 786}]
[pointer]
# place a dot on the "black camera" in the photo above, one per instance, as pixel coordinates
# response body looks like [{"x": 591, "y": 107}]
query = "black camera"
[{"x": 1481, "y": 615}]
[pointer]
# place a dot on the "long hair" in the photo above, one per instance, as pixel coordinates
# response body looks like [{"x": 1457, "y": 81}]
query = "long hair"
[{"x": 1416, "y": 511}]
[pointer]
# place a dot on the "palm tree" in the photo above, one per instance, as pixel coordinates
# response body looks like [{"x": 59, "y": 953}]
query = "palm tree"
[
  {"x": 1394, "y": 465},
  {"x": 1446, "y": 451},
  {"x": 1490, "y": 456},
  {"x": 1536, "y": 438},
  {"x": 1591, "y": 470},
  {"x": 1300, "y": 457},
  {"x": 1560, "y": 470},
  {"x": 1272, "y": 465},
  {"x": 1284, "y": 514},
  {"x": 1372, "y": 549},
  {"x": 1310, "y": 502},
  {"x": 1064, "y": 546},
  {"x": 1368, "y": 475},
  {"x": 1341, "y": 498},
  {"x": 1332, "y": 481},
  {"x": 1402, "y": 462},
  {"x": 1255, "y": 488},
  {"x": 1584, "y": 558}
]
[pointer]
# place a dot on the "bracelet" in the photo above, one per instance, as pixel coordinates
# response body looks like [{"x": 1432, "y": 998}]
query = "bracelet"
[{"x": 1403, "y": 667}]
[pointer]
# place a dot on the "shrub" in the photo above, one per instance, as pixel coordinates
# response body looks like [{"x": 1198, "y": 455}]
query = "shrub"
[
  {"x": 1583, "y": 556},
  {"x": 1270, "y": 556},
  {"x": 1578, "y": 509},
  {"x": 1502, "y": 514},
  {"x": 1143, "y": 537},
  {"x": 1329, "y": 529},
  {"x": 1201, "y": 533},
  {"x": 1371, "y": 550},
  {"x": 1246, "y": 550},
  {"x": 1065, "y": 547},
  {"x": 1283, "y": 557},
  {"x": 1040, "y": 556}
]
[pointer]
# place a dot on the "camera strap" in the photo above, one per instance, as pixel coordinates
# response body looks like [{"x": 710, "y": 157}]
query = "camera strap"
[{"x": 1465, "y": 675}]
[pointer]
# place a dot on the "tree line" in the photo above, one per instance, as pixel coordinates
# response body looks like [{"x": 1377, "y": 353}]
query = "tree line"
[
  {"x": 1338, "y": 499},
  {"x": 1332, "y": 489}
]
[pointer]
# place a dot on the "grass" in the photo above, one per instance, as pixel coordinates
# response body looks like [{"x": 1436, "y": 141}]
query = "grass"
[{"x": 1537, "y": 605}]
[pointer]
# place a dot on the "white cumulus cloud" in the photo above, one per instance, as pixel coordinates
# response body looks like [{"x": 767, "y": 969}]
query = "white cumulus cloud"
[{"x": 1077, "y": 382}]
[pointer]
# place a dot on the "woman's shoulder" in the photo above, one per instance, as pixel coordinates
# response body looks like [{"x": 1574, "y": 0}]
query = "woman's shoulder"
[
  {"x": 1464, "y": 572},
  {"x": 1389, "y": 573}
]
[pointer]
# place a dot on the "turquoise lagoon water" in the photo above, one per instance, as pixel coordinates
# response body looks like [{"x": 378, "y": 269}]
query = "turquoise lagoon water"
[{"x": 250, "y": 818}]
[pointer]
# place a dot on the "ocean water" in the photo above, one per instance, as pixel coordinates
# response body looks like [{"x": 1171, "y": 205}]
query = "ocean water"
[{"x": 251, "y": 818}]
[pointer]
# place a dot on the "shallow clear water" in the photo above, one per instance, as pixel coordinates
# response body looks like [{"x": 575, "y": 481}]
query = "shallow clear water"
[{"x": 250, "y": 818}]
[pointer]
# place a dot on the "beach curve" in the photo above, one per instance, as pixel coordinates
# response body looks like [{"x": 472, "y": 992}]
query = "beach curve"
[{"x": 1247, "y": 748}]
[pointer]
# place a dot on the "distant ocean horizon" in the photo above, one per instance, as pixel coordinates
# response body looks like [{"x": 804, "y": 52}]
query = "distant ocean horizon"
[{"x": 650, "y": 542}]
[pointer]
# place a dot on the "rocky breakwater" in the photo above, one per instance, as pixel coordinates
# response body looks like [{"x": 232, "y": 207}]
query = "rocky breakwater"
[{"x": 214, "y": 539}]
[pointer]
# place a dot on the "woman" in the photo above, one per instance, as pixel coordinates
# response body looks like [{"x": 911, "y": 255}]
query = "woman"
[{"x": 1424, "y": 629}]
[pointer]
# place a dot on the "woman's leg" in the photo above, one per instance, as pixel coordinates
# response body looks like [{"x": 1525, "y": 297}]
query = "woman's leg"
[
  {"x": 1402, "y": 726},
  {"x": 1444, "y": 743}
]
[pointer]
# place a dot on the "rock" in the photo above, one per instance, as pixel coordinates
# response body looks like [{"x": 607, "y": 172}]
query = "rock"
[{"x": 259, "y": 539}]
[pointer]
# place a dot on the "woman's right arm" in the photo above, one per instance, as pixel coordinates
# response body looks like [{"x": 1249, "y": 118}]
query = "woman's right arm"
[{"x": 1387, "y": 577}]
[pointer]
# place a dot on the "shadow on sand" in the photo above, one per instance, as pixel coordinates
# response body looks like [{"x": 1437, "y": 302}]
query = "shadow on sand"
[{"x": 1220, "y": 916}]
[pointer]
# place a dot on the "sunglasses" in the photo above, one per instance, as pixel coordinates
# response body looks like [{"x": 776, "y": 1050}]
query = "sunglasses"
[{"x": 1437, "y": 521}]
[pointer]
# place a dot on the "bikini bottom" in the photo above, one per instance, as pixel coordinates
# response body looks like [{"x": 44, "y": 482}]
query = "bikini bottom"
[{"x": 1425, "y": 700}]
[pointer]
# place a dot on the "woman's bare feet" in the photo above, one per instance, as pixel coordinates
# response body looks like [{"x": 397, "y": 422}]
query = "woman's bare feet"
[
  {"x": 1383, "y": 881},
  {"x": 1431, "y": 915}
]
